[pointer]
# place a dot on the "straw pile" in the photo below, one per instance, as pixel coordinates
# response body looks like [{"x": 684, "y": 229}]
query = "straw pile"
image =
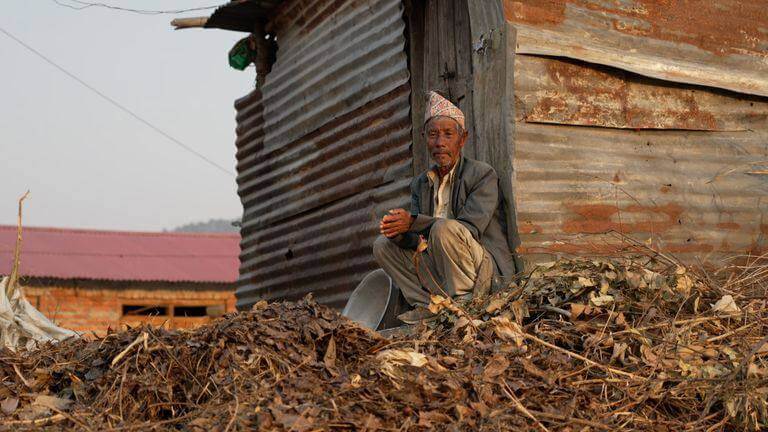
[{"x": 636, "y": 344}]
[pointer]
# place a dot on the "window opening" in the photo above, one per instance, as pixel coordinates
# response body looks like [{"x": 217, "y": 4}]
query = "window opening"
[{"x": 144, "y": 310}]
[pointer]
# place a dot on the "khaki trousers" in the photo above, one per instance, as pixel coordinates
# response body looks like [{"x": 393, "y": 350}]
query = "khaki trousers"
[{"x": 454, "y": 264}]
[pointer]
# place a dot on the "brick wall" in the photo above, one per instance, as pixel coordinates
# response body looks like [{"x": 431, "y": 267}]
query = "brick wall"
[{"x": 95, "y": 306}]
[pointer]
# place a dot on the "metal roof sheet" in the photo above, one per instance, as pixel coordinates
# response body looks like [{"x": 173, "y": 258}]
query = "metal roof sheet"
[
  {"x": 122, "y": 256},
  {"x": 241, "y": 15}
]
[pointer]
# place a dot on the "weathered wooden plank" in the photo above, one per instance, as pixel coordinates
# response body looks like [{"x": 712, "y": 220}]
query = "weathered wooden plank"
[
  {"x": 446, "y": 52},
  {"x": 571, "y": 92},
  {"x": 416, "y": 44},
  {"x": 447, "y": 66},
  {"x": 462, "y": 83},
  {"x": 492, "y": 44},
  {"x": 432, "y": 65}
]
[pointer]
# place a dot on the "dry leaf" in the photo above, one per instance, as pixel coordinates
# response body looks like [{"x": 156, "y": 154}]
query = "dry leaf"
[
  {"x": 355, "y": 380},
  {"x": 604, "y": 286},
  {"x": 600, "y": 301},
  {"x": 9, "y": 405},
  {"x": 329, "y": 359},
  {"x": 463, "y": 412},
  {"x": 52, "y": 402},
  {"x": 648, "y": 355},
  {"x": 621, "y": 319},
  {"x": 495, "y": 305},
  {"x": 460, "y": 323},
  {"x": 438, "y": 303},
  {"x": 495, "y": 367},
  {"x": 577, "y": 310},
  {"x": 619, "y": 350},
  {"x": 392, "y": 359},
  {"x": 684, "y": 283},
  {"x": 259, "y": 305},
  {"x": 508, "y": 330},
  {"x": 726, "y": 305},
  {"x": 519, "y": 310},
  {"x": 481, "y": 407},
  {"x": 534, "y": 370},
  {"x": 372, "y": 423},
  {"x": 430, "y": 419},
  {"x": 755, "y": 370}
]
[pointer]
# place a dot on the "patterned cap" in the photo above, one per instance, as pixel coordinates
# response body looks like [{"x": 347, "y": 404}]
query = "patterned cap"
[{"x": 440, "y": 106}]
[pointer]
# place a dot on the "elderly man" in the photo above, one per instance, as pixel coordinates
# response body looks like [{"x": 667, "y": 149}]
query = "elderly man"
[{"x": 454, "y": 238}]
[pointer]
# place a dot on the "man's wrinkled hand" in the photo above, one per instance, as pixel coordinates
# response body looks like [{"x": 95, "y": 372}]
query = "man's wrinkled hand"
[{"x": 397, "y": 222}]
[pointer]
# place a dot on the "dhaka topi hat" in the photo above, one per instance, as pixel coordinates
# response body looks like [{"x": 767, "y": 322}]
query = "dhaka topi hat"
[{"x": 438, "y": 106}]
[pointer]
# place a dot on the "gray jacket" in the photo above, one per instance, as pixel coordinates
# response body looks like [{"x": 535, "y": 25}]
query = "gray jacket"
[{"x": 476, "y": 203}]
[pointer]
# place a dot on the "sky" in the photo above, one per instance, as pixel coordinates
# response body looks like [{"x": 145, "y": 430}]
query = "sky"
[{"x": 88, "y": 164}]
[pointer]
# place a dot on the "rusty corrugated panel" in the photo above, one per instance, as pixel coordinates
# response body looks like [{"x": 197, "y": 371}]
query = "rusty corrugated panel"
[
  {"x": 572, "y": 92},
  {"x": 322, "y": 148},
  {"x": 241, "y": 15},
  {"x": 699, "y": 195},
  {"x": 718, "y": 43}
]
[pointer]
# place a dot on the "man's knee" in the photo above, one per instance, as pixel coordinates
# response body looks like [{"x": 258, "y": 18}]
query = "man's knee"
[
  {"x": 381, "y": 247},
  {"x": 444, "y": 229}
]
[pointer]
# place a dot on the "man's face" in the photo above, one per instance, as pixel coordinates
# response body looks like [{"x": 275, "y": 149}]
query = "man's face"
[{"x": 445, "y": 141}]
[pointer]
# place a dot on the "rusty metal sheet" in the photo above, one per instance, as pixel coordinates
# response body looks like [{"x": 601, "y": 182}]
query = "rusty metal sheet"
[
  {"x": 719, "y": 43},
  {"x": 321, "y": 149},
  {"x": 571, "y": 92},
  {"x": 699, "y": 195}
]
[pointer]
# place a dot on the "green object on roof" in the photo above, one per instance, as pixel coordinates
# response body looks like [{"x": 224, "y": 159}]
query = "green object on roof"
[{"x": 241, "y": 55}]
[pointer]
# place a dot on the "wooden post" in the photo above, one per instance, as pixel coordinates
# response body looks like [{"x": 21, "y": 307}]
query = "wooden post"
[
  {"x": 493, "y": 49},
  {"x": 414, "y": 13},
  {"x": 262, "y": 54},
  {"x": 13, "y": 278}
]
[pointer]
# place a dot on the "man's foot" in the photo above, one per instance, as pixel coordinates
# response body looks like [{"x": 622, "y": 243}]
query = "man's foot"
[{"x": 417, "y": 315}]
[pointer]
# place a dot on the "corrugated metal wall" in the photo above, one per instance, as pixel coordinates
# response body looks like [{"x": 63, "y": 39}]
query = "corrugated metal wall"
[
  {"x": 323, "y": 149},
  {"x": 598, "y": 150},
  {"x": 644, "y": 118}
]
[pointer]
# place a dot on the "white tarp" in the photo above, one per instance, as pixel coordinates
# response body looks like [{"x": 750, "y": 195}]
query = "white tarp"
[{"x": 21, "y": 325}]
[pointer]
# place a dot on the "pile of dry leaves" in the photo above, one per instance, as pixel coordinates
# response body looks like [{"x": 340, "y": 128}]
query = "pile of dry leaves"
[{"x": 636, "y": 344}]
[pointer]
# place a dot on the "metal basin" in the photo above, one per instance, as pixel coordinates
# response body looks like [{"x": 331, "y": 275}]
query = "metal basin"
[{"x": 376, "y": 302}]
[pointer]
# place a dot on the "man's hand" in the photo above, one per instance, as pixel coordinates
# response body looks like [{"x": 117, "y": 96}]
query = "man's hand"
[{"x": 397, "y": 222}]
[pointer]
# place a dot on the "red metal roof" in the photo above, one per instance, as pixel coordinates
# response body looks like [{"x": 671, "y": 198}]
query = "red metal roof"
[{"x": 121, "y": 255}]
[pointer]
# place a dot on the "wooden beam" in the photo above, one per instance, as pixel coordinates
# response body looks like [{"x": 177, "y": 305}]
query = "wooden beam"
[{"x": 183, "y": 23}]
